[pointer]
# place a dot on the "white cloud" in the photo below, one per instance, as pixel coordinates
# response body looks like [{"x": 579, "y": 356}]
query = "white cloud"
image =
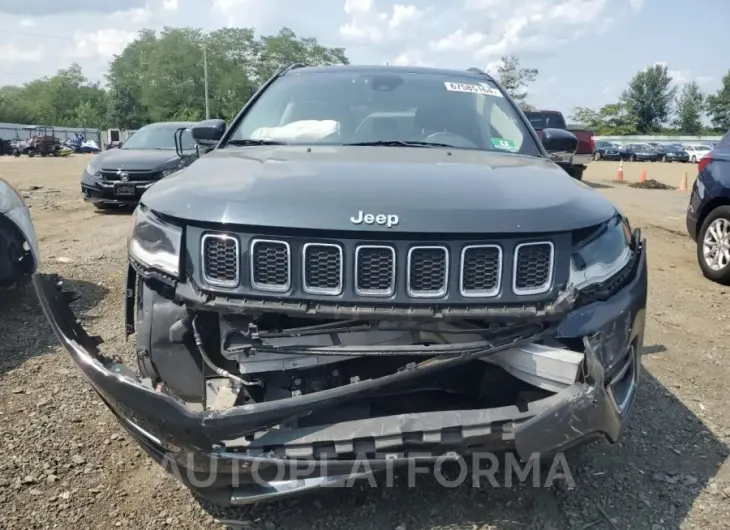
[
  {"x": 137, "y": 16},
  {"x": 358, "y": 6},
  {"x": 411, "y": 58},
  {"x": 170, "y": 5},
  {"x": 27, "y": 23},
  {"x": 9, "y": 53},
  {"x": 636, "y": 5},
  {"x": 505, "y": 27},
  {"x": 458, "y": 41},
  {"x": 704, "y": 79},
  {"x": 366, "y": 24},
  {"x": 103, "y": 43}
]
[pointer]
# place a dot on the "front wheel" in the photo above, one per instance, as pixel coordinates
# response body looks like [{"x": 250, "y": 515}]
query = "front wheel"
[{"x": 713, "y": 246}]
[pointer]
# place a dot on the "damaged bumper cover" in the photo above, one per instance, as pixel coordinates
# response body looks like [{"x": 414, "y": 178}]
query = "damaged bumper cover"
[{"x": 238, "y": 470}]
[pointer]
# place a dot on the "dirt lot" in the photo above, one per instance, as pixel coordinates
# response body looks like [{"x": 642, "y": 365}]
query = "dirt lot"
[{"x": 65, "y": 462}]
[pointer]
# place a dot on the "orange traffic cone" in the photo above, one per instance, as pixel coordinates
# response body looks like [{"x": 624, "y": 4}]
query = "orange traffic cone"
[
  {"x": 683, "y": 183},
  {"x": 642, "y": 179},
  {"x": 620, "y": 175}
]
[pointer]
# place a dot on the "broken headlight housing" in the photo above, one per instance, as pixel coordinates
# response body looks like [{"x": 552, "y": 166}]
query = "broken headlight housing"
[
  {"x": 92, "y": 169},
  {"x": 155, "y": 243},
  {"x": 602, "y": 253}
]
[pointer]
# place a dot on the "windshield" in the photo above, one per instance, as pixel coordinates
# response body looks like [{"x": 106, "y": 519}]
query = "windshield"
[
  {"x": 159, "y": 137},
  {"x": 336, "y": 108}
]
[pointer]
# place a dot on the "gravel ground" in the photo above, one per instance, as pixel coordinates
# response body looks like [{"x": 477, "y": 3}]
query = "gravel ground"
[{"x": 66, "y": 463}]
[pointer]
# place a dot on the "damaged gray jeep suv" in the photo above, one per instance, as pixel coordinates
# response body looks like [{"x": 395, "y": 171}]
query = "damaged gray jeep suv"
[{"x": 370, "y": 263}]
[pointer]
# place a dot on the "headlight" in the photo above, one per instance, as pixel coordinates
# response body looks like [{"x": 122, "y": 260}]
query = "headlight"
[
  {"x": 92, "y": 170},
  {"x": 602, "y": 254},
  {"x": 175, "y": 169},
  {"x": 154, "y": 242}
]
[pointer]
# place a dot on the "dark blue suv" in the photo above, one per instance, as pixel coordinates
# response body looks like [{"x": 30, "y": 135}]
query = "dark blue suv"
[{"x": 708, "y": 212}]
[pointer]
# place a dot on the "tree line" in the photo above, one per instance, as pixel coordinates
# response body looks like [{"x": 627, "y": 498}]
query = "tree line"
[
  {"x": 653, "y": 103},
  {"x": 159, "y": 77}
]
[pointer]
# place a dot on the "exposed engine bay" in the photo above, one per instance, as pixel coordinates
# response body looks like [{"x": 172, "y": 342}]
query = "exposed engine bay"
[{"x": 272, "y": 356}]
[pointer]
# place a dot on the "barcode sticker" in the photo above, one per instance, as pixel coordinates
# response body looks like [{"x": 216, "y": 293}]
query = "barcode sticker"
[{"x": 474, "y": 89}]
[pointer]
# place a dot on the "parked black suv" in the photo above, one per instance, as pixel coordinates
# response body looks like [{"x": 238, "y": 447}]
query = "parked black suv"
[
  {"x": 119, "y": 176},
  {"x": 372, "y": 261}
]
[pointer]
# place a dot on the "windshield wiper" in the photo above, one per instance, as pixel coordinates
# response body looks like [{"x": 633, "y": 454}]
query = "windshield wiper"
[
  {"x": 251, "y": 141},
  {"x": 401, "y": 143}
]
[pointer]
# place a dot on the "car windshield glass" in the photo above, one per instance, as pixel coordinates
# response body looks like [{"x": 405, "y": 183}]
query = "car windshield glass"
[
  {"x": 420, "y": 110},
  {"x": 159, "y": 137}
]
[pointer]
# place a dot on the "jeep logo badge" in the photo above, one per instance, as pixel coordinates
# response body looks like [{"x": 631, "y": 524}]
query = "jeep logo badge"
[{"x": 381, "y": 219}]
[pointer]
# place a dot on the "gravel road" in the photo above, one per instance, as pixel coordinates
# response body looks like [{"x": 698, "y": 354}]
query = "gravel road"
[{"x": 66, "y": 463}]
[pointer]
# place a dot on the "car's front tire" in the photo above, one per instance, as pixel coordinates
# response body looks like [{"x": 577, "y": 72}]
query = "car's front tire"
[{"x": 713, "y": 245}]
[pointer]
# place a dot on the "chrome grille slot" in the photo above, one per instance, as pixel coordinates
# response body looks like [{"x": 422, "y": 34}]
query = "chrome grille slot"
[
  {"x": 428, "y": 271},
  {"x": 270, "y": 265},
  {"x": 481, "y": 270},
  {"x": 132, "y": 176},
  {"x": 322, "y": 268},
  {"x": 220, "y": 260},
  {"x": 375, "y": 270},
  {"x": 533, "y": 268}
]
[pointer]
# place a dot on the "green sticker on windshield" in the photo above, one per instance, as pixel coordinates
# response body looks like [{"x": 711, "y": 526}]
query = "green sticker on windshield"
[{"x": 504, "y": 143}]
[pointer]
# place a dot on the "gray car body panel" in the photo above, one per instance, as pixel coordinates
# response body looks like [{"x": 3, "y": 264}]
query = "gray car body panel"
[{"x": 429, "y": 189}]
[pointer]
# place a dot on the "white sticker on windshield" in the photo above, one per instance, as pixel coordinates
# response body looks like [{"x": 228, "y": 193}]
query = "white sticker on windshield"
[{"x": 481, "y": 88}]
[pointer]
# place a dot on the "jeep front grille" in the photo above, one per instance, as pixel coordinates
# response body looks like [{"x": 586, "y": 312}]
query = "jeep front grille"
[
  {"x": 481, "y": 270},
  {"x": 322, "y": 268},
  {"x": 375, "y": 270},
  {"x": 428, "y": 271},
  {"x": 221, "y": 260},
  {"x": 270, "y": 265},
  {"x": 350, "y": 269},
  {"x": 533, "y": 268}
]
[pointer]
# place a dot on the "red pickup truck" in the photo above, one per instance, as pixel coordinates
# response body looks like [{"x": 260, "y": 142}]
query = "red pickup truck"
[{"x": 552, "y": 119}]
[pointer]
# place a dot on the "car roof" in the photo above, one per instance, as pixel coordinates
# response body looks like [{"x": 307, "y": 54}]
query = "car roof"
[{"x": 371, "y": 69}]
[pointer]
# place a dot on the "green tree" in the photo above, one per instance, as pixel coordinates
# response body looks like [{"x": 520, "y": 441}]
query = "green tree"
[
  {"x": 515, "y": 79},
  {"x": 160, "y": 77},
  {"x": 649, "y": 97},
  {"x": 718, "y": 106},
  {"x": 53, "y": 100},
  {"x": 612, "y": 119},
  {"x": 690, "y": 105}
]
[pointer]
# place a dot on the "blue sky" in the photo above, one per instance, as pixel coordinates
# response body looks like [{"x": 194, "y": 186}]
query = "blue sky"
[{"x": 586, "y": 50}]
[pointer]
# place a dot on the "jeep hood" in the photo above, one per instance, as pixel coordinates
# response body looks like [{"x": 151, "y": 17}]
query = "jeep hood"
[
  {"x": 135, "y": 159},
  {"x": 429, "y": 189}
]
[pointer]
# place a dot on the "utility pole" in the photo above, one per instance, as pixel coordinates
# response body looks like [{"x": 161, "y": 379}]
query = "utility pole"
[{"x": 205, "y": 74}]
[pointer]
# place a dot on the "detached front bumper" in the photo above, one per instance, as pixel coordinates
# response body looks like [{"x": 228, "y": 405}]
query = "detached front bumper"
[{"x": 206, "y": 450}]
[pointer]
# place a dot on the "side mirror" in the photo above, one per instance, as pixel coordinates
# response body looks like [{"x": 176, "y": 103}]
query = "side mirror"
[
  {"x": 209, "y": 132},
  {"x": 559, "y": 141}
]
